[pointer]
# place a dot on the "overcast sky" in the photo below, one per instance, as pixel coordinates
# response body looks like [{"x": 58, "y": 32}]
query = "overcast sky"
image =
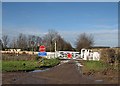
[{"x": 68, "y": 18}]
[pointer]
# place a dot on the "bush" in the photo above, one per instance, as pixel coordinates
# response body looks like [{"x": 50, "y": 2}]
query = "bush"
[
  {"x": 118, "y": 54},
  {"x": 108, "y": 55}
]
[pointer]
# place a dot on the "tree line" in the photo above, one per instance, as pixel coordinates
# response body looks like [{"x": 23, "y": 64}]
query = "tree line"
[{"x": 32, "y": 42}]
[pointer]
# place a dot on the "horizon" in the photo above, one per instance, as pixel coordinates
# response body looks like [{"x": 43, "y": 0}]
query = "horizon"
[{"x": 69, "y": 19}]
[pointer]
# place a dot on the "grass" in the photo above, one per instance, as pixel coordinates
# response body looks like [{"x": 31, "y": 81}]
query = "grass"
[
  {"x": 10, "y": 66},
  {"x": 95, "y": 65},
  {"x": 12, "y": 57},
  {"x": 50, "y": 62},
  {"x": 0, "y": 65},
  {"x": 18, "y": 65}
]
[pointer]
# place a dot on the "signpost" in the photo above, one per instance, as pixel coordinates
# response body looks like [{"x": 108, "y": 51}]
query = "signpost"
[
  {"x": 42, "y": 48},
  {"x": 42, "y": 51},
  {"x": 42, "y": 54}
]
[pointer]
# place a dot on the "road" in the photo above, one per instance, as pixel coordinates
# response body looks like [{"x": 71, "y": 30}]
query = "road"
[{"x": 66, "y": 73}]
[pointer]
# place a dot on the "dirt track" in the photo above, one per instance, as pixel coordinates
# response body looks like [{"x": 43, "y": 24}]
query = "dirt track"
[{"x": 64, "y": 74}]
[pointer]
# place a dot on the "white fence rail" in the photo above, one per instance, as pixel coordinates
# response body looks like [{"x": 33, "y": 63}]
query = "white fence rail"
[{"x": 85, "y": 54}]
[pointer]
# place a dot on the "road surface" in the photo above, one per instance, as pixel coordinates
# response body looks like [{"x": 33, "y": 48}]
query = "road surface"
[{"x": 66, "y": 73}]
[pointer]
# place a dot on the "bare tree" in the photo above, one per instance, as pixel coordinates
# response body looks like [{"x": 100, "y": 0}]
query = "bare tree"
[
  {"x": 50, "y": 39},
  {"x": 34, "y": 42},
  {"x": 22, "y": 41},
  {"x": 84, "y": 41},
  {"x": 5, "y": 41},
  {"x": 67, "y": 46},
  {"x": 29, "y": 41},
  {"x": 62, "y": 44},
  {"x": 1, "y": 44},
  {"x": 13, "y": 43}
]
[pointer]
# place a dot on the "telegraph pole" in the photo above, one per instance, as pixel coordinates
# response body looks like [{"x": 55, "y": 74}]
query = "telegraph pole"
[{"x": 55, "y": 49}]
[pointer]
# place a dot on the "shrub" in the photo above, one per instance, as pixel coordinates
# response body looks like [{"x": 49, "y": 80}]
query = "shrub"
[{"x": 108, "y": 55}]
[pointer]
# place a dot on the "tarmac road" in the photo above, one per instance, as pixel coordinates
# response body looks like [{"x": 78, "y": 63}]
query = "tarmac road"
[{"x": 66, "y": 73}]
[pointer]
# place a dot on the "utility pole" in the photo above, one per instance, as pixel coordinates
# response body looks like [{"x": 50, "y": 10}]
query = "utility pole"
[{"x": 55, "y": 49}]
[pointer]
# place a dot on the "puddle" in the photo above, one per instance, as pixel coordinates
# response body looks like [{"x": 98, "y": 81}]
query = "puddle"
[
  {"x": 39, "y": 70},
  {"x": 64, "y": 61},
  {"x": 79, "y": 67},
  {"x": 99, "y": 81},
  {"x": 46, "y": 68}
]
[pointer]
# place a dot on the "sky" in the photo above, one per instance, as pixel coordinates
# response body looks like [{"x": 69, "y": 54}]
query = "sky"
[{"x": 68, "y": 18}]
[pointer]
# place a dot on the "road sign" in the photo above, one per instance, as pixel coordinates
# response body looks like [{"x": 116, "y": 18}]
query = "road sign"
[
  {"x": 69, "y": 55},
  {"x": 42, "y": 54},
  {"x": 42, "y": 48}
]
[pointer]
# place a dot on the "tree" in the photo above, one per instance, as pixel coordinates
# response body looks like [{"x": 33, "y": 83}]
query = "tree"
[
  {"x": 30, "y": 42},
  {"x": 84, "y": 41},
  {"x": 50, "y": 39},
  {"x": 60, "y": 43},
  {"x": 69, "y": 46},
  {"x": 5, "y": 41},
  {"x": 22, "y": 41},
  {"x": 35, "y": 42},
  {"x": 13, "y": 43},
  {"x": 1, "y": 44}
]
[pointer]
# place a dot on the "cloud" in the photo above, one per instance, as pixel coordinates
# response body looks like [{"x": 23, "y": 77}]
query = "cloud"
[
  {"x": 25, "y": 30},
  {"x": 105, "y": 26},
  {"x": 102, "y": 36}
]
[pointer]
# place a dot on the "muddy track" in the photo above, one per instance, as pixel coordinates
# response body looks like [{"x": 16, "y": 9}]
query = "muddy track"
[{"x": 66, "y": 73}]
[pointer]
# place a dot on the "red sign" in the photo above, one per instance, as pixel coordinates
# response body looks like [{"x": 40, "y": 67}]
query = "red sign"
[
  {"x": 69, "y": 55},
  {"x": 42, "y": 48}
]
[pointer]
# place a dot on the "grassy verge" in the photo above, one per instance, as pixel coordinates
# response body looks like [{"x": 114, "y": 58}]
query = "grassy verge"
[
  {"x": 101, "y": 70},
  {"x": 10, "y": 66},
  {"x": 50, "y": 62},
  {"x": 18, "y": 65},
  {"x": 95, "y": 65}
]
